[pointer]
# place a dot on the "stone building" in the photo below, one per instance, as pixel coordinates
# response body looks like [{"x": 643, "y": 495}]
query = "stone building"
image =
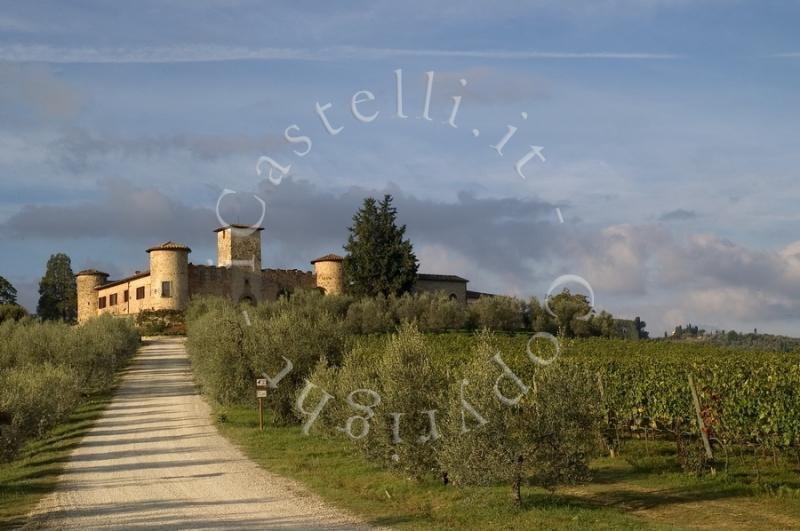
[{"x": 172, "y": 280}]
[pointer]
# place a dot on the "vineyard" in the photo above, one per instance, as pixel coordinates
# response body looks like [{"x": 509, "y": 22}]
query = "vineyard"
[{"x": 471, "y": 408}]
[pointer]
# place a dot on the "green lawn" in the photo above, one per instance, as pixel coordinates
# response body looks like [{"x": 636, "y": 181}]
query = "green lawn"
[
  {"x": 646, "y": 489},
  {"x": 34, "y": 472}
]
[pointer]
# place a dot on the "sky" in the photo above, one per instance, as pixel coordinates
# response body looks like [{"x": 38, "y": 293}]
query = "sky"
[{"x": 656, "y": 140}]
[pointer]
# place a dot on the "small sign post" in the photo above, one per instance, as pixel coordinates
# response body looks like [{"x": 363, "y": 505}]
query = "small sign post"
[{"x": 261, "y": 394}]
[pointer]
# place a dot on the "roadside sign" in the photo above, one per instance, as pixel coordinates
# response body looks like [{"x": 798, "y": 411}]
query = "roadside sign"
[{"x": 261, "y": 394}]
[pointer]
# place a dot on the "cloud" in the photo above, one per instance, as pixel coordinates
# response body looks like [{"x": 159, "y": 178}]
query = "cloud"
[
  {"x": 490, "y": 85},
  {"x": 76, "y": 148},
  {"x": 123, "y": 212},
  {"x": 189, "y": 53},
  {"x": 303, "y": 221},
  {"x": 30, "y": 93},
  {"x": 16, "y": 25},
  {"x": 679, "y": 214}
]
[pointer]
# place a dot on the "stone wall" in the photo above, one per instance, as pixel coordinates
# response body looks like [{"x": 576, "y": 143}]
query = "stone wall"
[
  {"x": 235, "y": 283},
  {"x": 278, "y": 281}
]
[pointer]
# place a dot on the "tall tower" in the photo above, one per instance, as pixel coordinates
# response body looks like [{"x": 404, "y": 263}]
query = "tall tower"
[
  {"x": 239, "y": 246},
  {"x": 169, "y": 276},
  {"x": 86, "y": 282},
  {"x": 330, "y": 273}
]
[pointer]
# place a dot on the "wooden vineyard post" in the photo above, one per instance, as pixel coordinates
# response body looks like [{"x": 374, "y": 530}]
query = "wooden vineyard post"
[
  {"x": 700, "y": 423},
  {"x": 611, "y": 451},
  {"x": 261, "y": 394}
]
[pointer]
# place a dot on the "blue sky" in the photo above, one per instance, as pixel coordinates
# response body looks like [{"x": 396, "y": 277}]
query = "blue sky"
[{"x": 669, "y": 128}]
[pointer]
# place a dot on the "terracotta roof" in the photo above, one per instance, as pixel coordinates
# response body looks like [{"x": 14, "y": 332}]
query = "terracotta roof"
[
  {"x": 328, "y": 258},
  {"x": 169, "y": 246},
  {"x": 478, "y": 294},
  {"x": 90, "y": 272},
  {"x": 450, "y": 278},
  {"x": 123, "y": 280},
  {"x": 238, "y": 226}
]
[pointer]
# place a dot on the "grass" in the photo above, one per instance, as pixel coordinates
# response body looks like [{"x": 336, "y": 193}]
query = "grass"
[
  {"x": 645, "y": 490},
  {"x": 34, "y": 472}
]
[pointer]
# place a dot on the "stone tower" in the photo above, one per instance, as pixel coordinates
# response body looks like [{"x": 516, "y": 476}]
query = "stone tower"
[
  {"x": 169, "y": 276},
  {"x": 329, "y": 270},
  {"x": 239, "y": 246},
  {"x": 86, "y": 281}
]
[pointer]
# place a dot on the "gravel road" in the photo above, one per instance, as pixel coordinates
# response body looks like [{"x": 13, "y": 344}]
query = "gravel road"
[{"x": 155, "y": 460}]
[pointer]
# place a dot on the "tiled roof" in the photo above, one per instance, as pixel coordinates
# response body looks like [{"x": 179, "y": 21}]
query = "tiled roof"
[
  {"x": 450, "y": 278},
  {"x": 478, "y": 294},
  {"x": 328, "y": 258},
  {"x": 90, "y": 272},
  {"x": 238, "y": 226},
  {"x": 123, "y": 280},
  {"x": 169, "y": 246}
]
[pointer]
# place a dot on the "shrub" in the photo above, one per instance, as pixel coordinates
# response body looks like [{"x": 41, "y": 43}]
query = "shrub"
[
  {"x": 228, "y": 355},
  {"x": 161, "y": 322},
  {"x": 444, "y": 313},
  {"x": 215, "y": 344},
  {"x": 408, "y": 308},
  {"x": 45, "y": 368},
  {"x": 409, "y": 381},
  {"x": 33, "y": 399},
  {"x": 11, "y": 312},
  {"x": 369, "y": 316},
  {"x": 312, "y": 302},
  {"x": 101, "y": 347},
  {"x": 546, "y": 437},
  {"x": 302, "y": 340},
  {"x": 498, "y": 313}
]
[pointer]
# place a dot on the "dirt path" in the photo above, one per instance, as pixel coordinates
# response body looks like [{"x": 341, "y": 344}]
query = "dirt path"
[{"x": 154, "y": 460}]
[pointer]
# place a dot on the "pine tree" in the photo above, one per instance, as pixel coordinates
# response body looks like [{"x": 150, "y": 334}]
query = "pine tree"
[
  {"x": 8, "y": 294},
  {"x": 379, "y": 259},
  {"x": 57, "y": 292}
]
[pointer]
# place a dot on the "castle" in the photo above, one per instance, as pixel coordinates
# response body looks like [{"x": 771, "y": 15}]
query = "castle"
[{"x": 172, "y": 280}]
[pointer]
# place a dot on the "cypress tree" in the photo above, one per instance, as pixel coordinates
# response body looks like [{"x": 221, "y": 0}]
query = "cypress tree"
[
  {"x": 379, "y": 261},
  {"x": 57, "y": 291}
]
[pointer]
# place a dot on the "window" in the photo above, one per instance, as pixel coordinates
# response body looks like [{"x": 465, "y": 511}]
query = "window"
[
  {"x": 140, "y": 293},
  {"x": 125, "y": 296},
  {"x": 112, "y": 299},
  {"x": 101, "y": 302},
  {"x": 166, "y": 288}
]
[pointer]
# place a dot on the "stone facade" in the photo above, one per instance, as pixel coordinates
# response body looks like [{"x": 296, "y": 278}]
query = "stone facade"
[
  {"x": 452, "y": 285},
  {"x": 87, "y": 282},
  {"x": 172, "y": 280},
  {"x": 239, "y": 245},
  {"x": 329, "y": 270}
]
